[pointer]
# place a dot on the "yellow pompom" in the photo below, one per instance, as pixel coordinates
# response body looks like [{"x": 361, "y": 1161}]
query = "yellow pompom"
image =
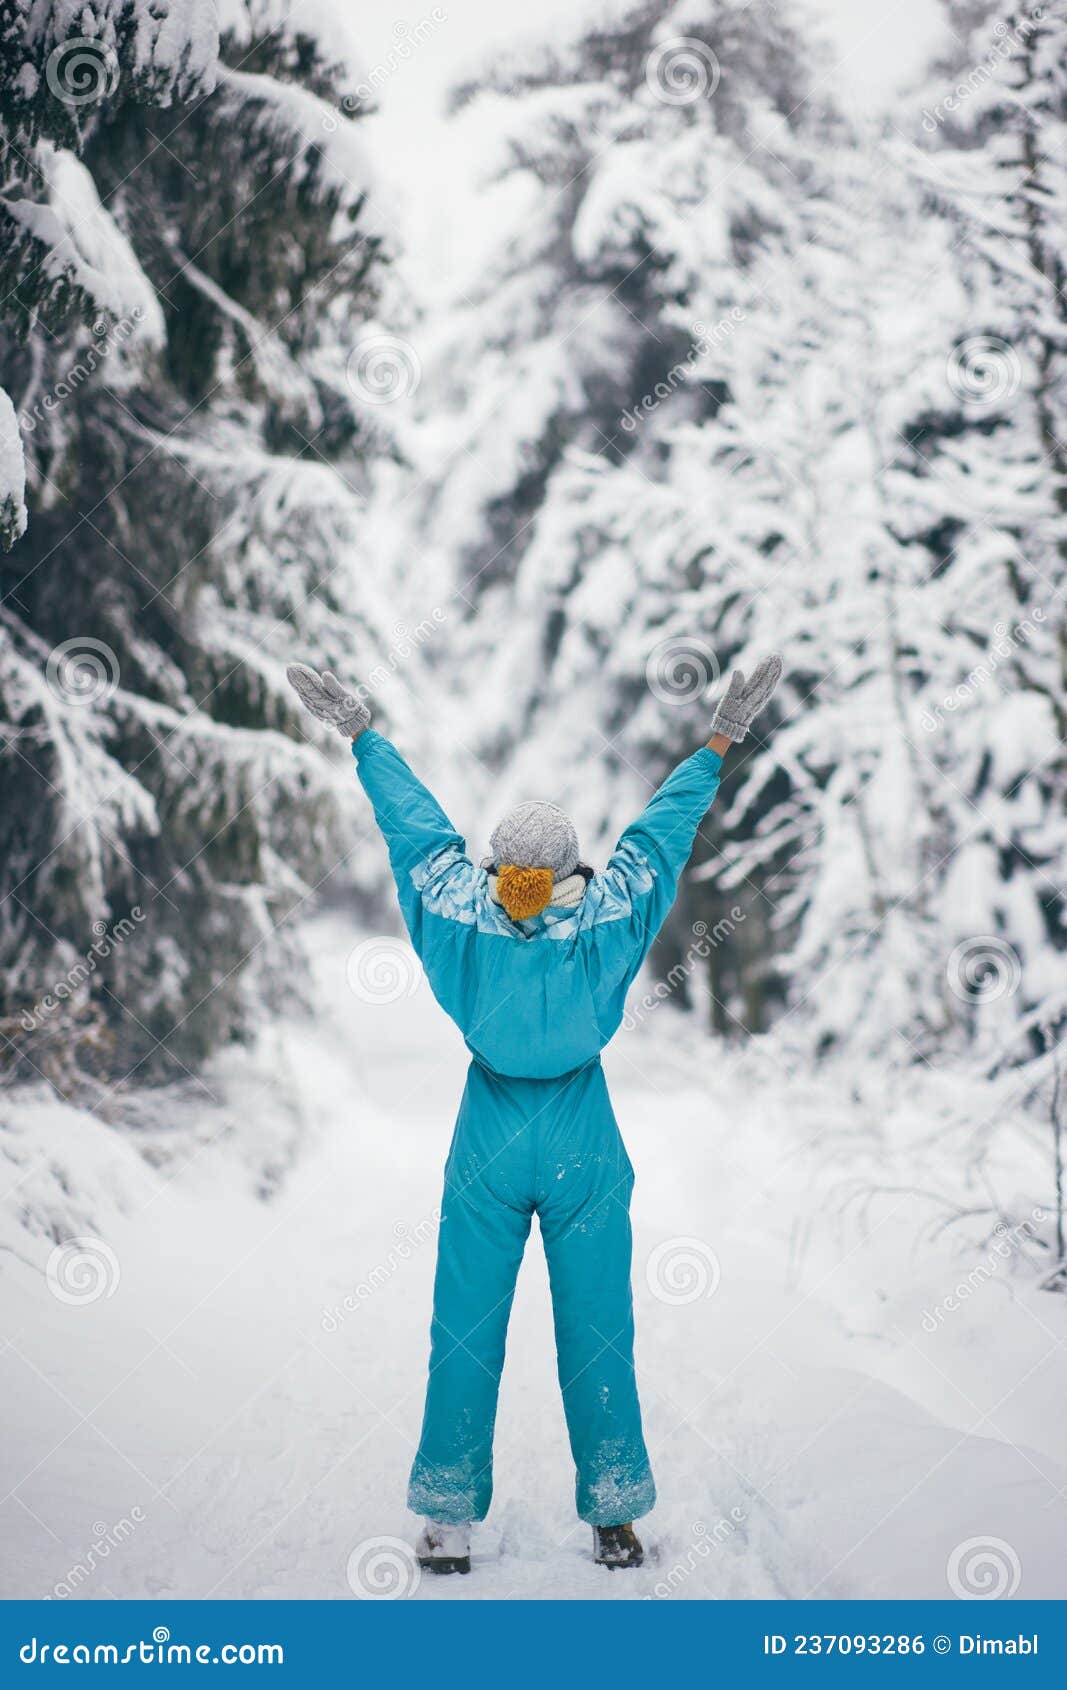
[{"x": 524, "y": 891}]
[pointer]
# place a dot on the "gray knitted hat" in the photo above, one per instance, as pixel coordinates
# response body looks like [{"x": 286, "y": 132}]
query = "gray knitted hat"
[{"x": 536, "y": 835}]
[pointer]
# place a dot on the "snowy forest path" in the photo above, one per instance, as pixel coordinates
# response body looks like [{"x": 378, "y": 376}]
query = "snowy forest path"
[{"x": 263, "y": 1360}]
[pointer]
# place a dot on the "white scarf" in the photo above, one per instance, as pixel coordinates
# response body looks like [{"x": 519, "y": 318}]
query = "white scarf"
[{"x": 566, "y": 894}]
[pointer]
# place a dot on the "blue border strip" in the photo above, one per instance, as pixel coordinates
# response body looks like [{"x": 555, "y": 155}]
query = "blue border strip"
[{"x": 512, "y": 1645}]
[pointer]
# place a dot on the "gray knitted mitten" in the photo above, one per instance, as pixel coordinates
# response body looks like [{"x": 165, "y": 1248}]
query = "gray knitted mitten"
[
  {"x": 327, "y": 699},
  {"x": 743, "y": 699}
]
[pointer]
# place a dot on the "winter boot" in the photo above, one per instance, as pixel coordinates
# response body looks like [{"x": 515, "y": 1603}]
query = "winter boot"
[
  {"x": 617, "y": 1546},
  {"x": 444, "y": 1548}
]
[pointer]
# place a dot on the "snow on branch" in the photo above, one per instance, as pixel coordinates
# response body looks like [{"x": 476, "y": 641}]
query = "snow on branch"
[
  {"x": 12, "y": 476},
  {"x": 63, "y": 59},
  {"x": 79, "y": 249},
  {"x": 279, "y": 372},
  {"x": 329, "y": 155}
]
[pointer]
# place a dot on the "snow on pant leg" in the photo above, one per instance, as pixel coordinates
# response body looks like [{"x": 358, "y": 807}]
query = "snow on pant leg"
[
  {"x": 485, "y": 1222},
  {"x": 585, "y": 1180}
]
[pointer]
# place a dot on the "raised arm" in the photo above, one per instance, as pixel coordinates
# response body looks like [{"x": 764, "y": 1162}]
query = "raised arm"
[
  {"x": 642, "y": 872},
  {"x": 415, "y": 828},
  {"x": 413, "y": 823},
  {"x": 646, "y": 864}
]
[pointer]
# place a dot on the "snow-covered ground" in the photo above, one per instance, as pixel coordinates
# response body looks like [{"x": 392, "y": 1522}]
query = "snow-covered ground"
[{"x": 234, "y": 1416}]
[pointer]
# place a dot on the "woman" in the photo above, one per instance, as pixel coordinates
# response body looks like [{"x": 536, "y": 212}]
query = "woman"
[{"x": 532, "y": 955}]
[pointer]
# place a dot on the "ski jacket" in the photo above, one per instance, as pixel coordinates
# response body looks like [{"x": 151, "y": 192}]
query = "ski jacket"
[{"x": 537, "y": 998}]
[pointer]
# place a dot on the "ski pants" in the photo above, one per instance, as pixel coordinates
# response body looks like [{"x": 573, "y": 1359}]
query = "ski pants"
[{"x": 551, "y": 1148}]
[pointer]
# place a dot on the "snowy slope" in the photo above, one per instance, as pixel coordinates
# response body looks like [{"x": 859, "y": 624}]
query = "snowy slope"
[{"x": 236, "y": 1417}]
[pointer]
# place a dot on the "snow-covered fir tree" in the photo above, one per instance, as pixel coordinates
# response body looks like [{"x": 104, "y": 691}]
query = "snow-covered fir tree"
[
  {"x": 715, "y": 381},
  {"x": 723, "y": 373},
  {"x": 634, "y": 181},
  {"x": 992, "y": 162},
  {"x": 188, "y": 261}
]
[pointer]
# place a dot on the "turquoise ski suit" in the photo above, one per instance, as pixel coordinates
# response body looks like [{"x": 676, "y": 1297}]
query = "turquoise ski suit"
[{"x": 536, "y": 1002}]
